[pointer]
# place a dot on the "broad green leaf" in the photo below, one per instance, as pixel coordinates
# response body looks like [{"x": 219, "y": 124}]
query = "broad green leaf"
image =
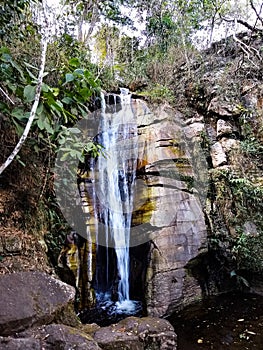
[
  {"x": 11, "y": 86},
  {"x": 59, "y": 103},
  {"x": 79, "y": 71},
  {"x": 19, "y": 114},
  {"x": 40, "y": 124},
  {"x": 83, "y": 112},
  {"x": 61, "y": 140},
  {"x": 48, "y": 127},
  {"x": 69, "y": 77},
  {"x": 74, "y": 62},
  {"x": 29, "y": 93},
  {"x": 19, "y": 128},
  {"x": 85, "y": 93},
  {"x": 40, "y": 109},
  {"x": 45, "y": 87},
  {"x": 81, "y": 157}
]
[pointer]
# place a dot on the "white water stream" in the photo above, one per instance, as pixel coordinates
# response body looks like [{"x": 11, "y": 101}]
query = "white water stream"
[{"x": 115, "y": 188}]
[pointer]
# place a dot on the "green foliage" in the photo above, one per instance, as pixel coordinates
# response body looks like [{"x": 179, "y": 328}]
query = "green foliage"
[
  {"x": 74, "y": 148},
  {"x": 248, "y": 196},
  {"x": 107, "y": 43},
  {"x": 15, "y": 20},
  {"x": 56, "y": 230},
  {"x": 251, "y": 146},
  {"x": 62, "y": 104},
  {"x": 247, "y": 251},
  {"x": 111, "y": 10},
  {"x": 127, "y": 50},
  {"x": 239, "y": 201},
  {"x": 173, "y": 23},
  {"x": 161, "y": 30},
  {"x": 158, "y": 93}
]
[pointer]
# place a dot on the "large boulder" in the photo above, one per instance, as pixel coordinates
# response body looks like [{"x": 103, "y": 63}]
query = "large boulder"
[
  {"x": 54, "y": 336},
  {"x": 9, "y": 343},
  {"x": 32, "y": 299},
  {"x": 135, "y": 333}
]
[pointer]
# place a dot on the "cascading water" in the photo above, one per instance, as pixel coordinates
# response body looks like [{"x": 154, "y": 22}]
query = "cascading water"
[{"x": 114, "y": 186}]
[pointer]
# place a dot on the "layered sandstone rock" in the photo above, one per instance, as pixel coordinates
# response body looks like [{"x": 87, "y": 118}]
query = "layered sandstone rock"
[{"x": 175, "y": 185}]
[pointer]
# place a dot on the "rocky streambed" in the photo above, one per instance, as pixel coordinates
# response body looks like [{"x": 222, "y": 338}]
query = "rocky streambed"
[{"x": 37, "y": 312}]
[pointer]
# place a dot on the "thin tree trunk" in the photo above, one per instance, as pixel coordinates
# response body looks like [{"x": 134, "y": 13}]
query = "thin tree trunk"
[{"x": 33, "y": 109}]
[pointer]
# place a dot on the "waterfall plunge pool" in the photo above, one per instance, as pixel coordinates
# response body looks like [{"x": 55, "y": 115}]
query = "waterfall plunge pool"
[
  {"x": 229, "y": 321},
  {"x": 107, "y": 311}
]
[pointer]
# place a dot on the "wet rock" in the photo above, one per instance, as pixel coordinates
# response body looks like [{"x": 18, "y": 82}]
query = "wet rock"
[
  {"x": 218, "y": 155},
  {"x": 32, "y": 298},
  {"x": 135, "y": 333}
]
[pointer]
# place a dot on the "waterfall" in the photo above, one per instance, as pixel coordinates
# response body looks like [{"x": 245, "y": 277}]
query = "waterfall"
[{"x": 115, "y": 181}]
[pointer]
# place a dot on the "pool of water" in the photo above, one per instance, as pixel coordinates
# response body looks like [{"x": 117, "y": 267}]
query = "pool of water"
[
  {"x": 229, "y": 321},
  {"x": 107, "y": 312}
]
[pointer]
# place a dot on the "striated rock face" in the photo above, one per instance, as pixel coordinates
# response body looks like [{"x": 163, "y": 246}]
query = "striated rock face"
[
  {"x": 32, "y": 298},
  {"x": 174, "y": 172}
]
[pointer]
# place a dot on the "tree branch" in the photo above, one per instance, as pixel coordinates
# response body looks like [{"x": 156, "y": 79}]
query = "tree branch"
[
  {"x": 5, "y": 94},
  {"x": 256, "y": 12},
  {"x": 33, "y": 109},
  {"x": 244, "y": 23}
]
